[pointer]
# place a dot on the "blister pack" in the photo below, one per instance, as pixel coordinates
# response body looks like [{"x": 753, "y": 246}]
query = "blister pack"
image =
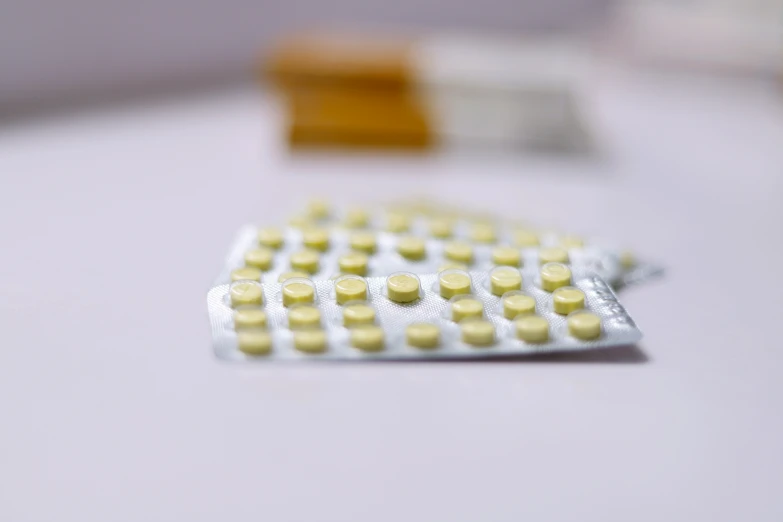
[
  {"x": 323, "y": 252},
  {"x": 450, "y": 314},
  {"x": 428, "y": 219}
]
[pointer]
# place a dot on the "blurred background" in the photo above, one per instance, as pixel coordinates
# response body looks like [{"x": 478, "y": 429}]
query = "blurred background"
[{"x": 59, "y": 54}]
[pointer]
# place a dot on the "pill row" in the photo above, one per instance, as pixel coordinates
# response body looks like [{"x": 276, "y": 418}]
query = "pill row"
[
  {"x": 454, "y": 312},
  {"x": 317, "y": 254},
  {"x": 430, "y": 219}
]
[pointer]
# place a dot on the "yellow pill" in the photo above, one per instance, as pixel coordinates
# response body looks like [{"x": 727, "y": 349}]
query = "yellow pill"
[
  {"x": 504, "y": 279},
  {"x": 310, "y": 341},
  {"x": 466, "y": 309},
  {"x": 249, "y": 318},
  {"x": 296, "y": 292},
  {"x": 532, "y": 329},
  {"x": 422, "y": 335},
  {"x": 316, "y": 239},
  {"x": 525, "y": 239},
  {"x": 305, "y": 261},
  {"x": 478, "y": 333},
  {"x": 353, "y": 263},
  {"x": 483, "y": 233},
  {"x": 248, "y": 272},
  {"x": 518, "y": 304},
  {"x": 627, "y": 259},
  {"x": 402, "y": 288},
  {"x": 356, "y": 218},
  {"x": 260, "y": 258},
  {"x": 584, "y": 325},
  {"x": 552, "y": 255},
  {"x": 367, "y": 337},
  {"x": 358, "y": 313},
  {"x": 555, "y": 275},
  {"x": 289, "y": 275},
  {"x": 318, "y": 209},
  {"x": 350, "y": 289},
  {"x": 270, "y": 237},
  {"x": 506, "y": 256},
  {"x": 459, "y": 251},
  {"x": 398, "y": 222},
  {"x": 452, "y": 266},
  {"x": 303, "y": 316},
  {"x": 453, "y": 283},
  {"x": 441, "y": 228},
  {"x": 246, "y": 294},
  {"x": 567, "y": 299},
  {"x": 254, "y": 342},
  {"x": 412, "y": 248},
  {"x": 572, "y": 242},
  {"x": 363, "y": 242}
]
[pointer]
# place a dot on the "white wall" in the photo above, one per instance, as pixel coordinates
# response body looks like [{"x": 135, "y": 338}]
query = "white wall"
[{"x": 62, "y": 50}]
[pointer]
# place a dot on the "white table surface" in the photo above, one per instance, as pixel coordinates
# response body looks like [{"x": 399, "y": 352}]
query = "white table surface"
[{"x": 114, "y": 408}]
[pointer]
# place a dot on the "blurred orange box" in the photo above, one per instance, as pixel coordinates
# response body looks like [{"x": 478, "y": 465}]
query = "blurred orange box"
[
  {"x": 375, "y": 91},
  {"x": 356, "y": 117}
]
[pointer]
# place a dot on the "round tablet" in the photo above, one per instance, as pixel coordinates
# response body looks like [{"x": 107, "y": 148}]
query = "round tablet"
[
  {"x": 478, "y": 333},
  {"x": 555, "y": 275},
  {"x": 483, "y": 233},
  {"x": 270, "y": 237},
  {"x": 303, "y": 316},
  {"x": 566, "y": 299},
  {"x": 397, "y": 222},
  {"x": 363, "y": 242},
  {"x": 249, "y": 318},
  {"x": 246, "y": 273},
  {"x": 305, "y": 261},
  {"x": 246, "y": 294},
  {"x": 552, "y": 255},
  {"x": 318, "y": 209},
  {"x": 441, "y": 228},
  {"x": 453, "y": 282},
  {"x": 506, "y": 256},
  {"x": 254, "y": 342},
  {"x": 459, "y": 251},
  {"x": 532, "y": 329},
  {"x": 356, "y": 218},
  {"x": 297, "y": 292},
  {"x": 358, "y": 313},
  {"x": 289, "y": 275},
  {"x": 260, "y": 258},
  {"x": 627, "y": 259},
  {"x": 504, "y": 279},
  {"x": 518, "y": 304},
  {"x": 422, "y": 335},
  {"x": 347, "y": 288},
  {"x": 466, "y": 309},
  {"x": 572, "y": 242},
  {"x": 316, "y": 238},
  {"x": 525, "y": 239},
  {"x": 402, "y": 288},
  {"x": 353, "y": 263},
  {"x": 367, "y": 337},
  {"x": 412, "y": 248},
  {"x": 310, "y": 341},
  {"x": 584, "y": 325}
]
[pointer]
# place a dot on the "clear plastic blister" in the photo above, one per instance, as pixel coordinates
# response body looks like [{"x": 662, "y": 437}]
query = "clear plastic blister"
[{"x": 405, "y": 315}]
